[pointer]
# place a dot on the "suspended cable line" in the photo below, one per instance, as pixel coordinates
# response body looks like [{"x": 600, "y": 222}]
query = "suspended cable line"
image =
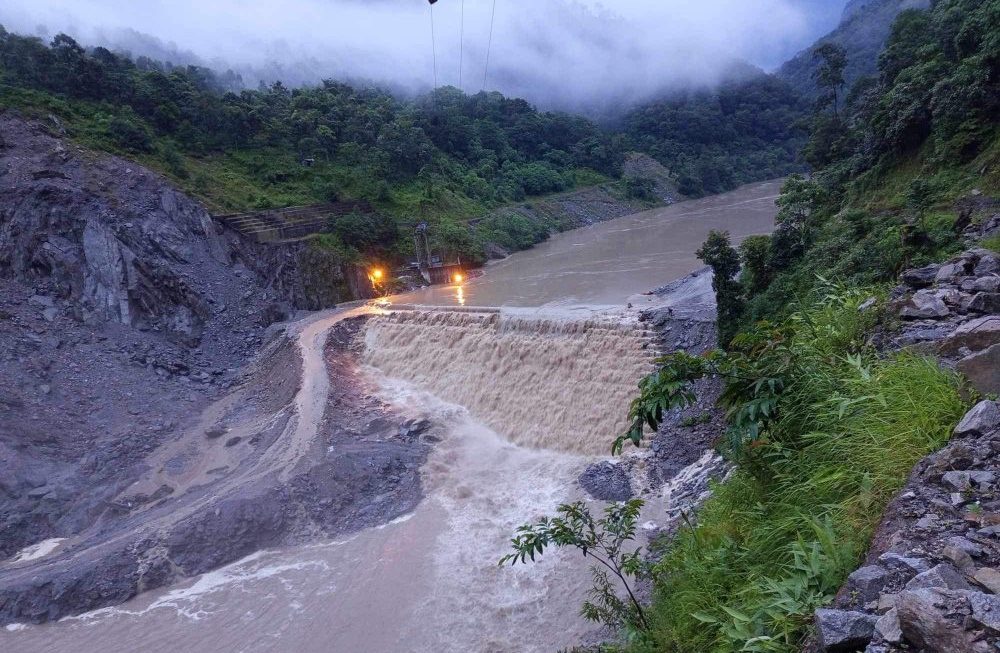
[
  {"x": 434, "y": 57},
  {"x": 489, "y": 45},
  {"x": 461, "y": 45}
]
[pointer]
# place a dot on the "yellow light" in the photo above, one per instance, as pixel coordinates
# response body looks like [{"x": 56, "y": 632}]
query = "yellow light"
[
  {"x": 376, "y": 273},
  {"x": 458, "y": 277}
]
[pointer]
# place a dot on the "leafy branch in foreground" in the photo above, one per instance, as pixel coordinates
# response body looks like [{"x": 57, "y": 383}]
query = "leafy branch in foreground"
[
  {"x": 604, "y": 541},
  {"x": 750, "y": 396},
  {"x": 757, "y": 370}
]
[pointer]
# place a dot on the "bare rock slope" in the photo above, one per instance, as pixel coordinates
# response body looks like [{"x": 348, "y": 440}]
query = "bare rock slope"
[{"x": 148, "y": 405}]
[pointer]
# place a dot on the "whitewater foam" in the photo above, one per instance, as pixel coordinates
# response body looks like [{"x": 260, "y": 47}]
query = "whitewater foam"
[{"x": 543, "y": 383}]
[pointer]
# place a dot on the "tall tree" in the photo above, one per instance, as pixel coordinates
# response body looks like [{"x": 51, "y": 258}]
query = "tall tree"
[
  {"x": 717, "y": 253},
  {"x": 829, "y": 76}
]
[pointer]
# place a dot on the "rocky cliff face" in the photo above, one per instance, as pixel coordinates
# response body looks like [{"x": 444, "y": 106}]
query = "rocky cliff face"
[
  {"x": 862, "y": 32},
  {"x": 119, "y": 244},
  {"x": 125, "y": 311}
]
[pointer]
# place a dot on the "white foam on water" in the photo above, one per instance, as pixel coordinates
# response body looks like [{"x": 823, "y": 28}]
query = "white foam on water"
[
  {"x": 488, "y": 487},
  {"x": 553, "y": 384},
  {"x": 194, "y": 601}
]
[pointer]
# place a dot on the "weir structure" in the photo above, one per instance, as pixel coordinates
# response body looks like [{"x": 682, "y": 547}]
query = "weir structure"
[{"x": 541, "y": 381}]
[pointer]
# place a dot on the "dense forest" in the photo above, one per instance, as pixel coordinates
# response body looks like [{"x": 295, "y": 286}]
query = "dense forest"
[
  {"x": 714, "y": 140},
  {"x": 445, "y": 157}
]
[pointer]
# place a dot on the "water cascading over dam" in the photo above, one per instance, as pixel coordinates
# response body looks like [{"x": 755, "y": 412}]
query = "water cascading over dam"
[{"x": 542, "y": 383}]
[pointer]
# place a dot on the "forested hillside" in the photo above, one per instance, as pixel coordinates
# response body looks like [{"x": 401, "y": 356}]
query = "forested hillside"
[
  {"x": 826, "y": 421},
  {"x": 445, "y": 157},
  {"x": 862, "y": 33},
  {"x": 716, "y": 139}
]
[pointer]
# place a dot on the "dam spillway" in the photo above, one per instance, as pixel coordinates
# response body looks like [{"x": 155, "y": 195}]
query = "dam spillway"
[{"x": 543, "y": 383}]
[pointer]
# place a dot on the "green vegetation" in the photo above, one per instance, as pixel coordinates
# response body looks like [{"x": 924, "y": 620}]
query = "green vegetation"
[
  {"x": 823, "y": 432},
  {"x": 718, "y": 254},
  {"x": 715, "y": 140},
  {"x": 445, "y": 157},
  {"x": 604, "y": 540},
  {"x": 890, "y": 158},
  {"x": 822, "y": 428}
]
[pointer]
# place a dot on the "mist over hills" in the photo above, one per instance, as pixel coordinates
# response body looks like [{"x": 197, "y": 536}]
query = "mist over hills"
[
  {"x": 587, "y": 56},
  {"x": 862, "y": 33}
]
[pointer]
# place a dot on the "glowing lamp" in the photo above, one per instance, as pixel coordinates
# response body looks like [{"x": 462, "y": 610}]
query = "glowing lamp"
[
  {"x": 459, "y": 278},
  {"x": 376, "y": 274}
]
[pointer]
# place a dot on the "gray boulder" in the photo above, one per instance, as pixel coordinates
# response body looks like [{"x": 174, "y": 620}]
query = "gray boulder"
[
  {"x": 942, "y": 575},
  {"x": 920, "y": 277},
  {"x": 976, "y": 334},
  {"x": 908, "y": 565},
  {"x": 948, "y": 272},
  {"x": 607, "y": 482},
  {"x": 988, "y": 264},
  {"x": 986, "y": 611},
  {"x": 924, "y": 305},
  {"x": 989, "y": 578},
  {"x": 843, "y": 630},
  {"x": 983, "y": 418},
  {"x": 866, "y": 583},
  {"x": 982, "y": 369},
  {"x": 985, "y": 302},
  {"x": 924, "y": 620},
  {"x": 887, "y": 627},
  {"x": 986, "y": 284}
]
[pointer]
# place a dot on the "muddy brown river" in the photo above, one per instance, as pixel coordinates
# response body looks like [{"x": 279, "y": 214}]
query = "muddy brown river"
[
  {"x": 606, "y": 263},
  {"x": 429, "y": 580}
]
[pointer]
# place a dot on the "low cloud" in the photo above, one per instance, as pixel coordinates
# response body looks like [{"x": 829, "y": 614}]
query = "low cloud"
[{"x": 558, "y": 53}]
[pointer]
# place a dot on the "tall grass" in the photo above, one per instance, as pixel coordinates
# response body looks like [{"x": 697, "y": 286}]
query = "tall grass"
[{"x": 769, "y": 549}]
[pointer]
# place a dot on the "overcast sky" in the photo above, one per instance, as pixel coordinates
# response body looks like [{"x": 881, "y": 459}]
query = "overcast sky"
[{"x": 558, "y": 53}]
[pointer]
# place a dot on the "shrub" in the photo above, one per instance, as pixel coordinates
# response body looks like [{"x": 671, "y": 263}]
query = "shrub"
[
  {"x": 365, "y": 232},
  {"x": 824, "y": 432},
  {"x": 603, "y": 540},
  {"x": 129, "y": 134},
  {"x": 640, "y": 188}
]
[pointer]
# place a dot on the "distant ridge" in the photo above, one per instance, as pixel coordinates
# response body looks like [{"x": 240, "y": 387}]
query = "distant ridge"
[{"x": 863, "y": 31}]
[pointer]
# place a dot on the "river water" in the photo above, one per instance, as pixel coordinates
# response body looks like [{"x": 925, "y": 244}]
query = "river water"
[
  {"x": 607, "y": 263},
  {"x": 523, "y": 404}
]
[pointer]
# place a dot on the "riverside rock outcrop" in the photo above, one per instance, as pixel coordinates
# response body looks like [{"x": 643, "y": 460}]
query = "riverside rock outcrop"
[{"x": 931, "y": 581}]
